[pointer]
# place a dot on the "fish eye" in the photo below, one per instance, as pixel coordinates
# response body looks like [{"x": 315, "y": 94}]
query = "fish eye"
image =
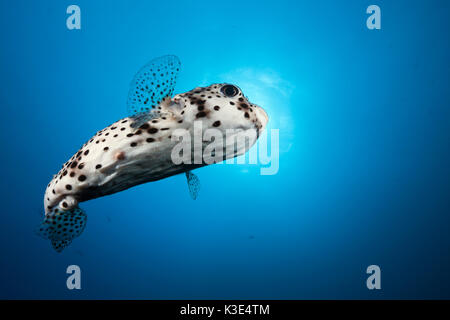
[{"x": 229, "y": 90}]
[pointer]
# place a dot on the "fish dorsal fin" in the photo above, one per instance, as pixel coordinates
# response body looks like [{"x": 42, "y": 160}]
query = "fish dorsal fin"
[{"x": 151, "y": 88}]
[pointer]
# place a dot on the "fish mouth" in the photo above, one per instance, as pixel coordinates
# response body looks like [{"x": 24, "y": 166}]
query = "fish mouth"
[{"x": 263, "y": 119}]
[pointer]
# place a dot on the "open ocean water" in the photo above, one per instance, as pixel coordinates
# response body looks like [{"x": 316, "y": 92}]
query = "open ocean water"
[{"x": 364, "y": 150}]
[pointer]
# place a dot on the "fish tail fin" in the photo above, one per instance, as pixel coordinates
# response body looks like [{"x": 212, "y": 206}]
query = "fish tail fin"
[{"x": 62, "y": 226}]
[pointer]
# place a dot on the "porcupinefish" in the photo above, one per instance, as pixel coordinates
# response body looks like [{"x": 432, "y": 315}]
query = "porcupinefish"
[{"x": 137, "y": 149}]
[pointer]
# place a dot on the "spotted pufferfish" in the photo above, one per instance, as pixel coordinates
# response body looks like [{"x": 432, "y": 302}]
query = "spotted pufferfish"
[{"x": 137, "y": 149}]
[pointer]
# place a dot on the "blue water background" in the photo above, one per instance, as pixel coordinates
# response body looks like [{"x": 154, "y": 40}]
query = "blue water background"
[{"x": 364, "y": 170}]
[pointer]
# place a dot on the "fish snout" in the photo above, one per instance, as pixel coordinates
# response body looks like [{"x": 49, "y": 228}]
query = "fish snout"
[{"x": 262, "y": 118}]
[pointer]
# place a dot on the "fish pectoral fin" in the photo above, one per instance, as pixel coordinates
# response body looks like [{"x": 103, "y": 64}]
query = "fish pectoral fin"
[
  {"x": 141, "y": 118},
  {"x": 152, "y": 86},
  {"x": 193, "y": 184}
]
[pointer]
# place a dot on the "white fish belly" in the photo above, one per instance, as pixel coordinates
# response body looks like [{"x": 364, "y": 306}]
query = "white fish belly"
[{"x": 116, "y": 158}]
